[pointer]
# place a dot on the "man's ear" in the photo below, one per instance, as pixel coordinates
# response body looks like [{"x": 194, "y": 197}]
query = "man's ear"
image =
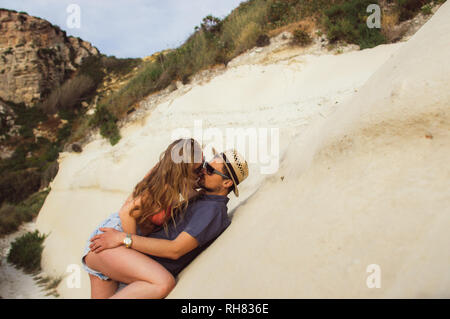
[{"x": 228, "y": 183}]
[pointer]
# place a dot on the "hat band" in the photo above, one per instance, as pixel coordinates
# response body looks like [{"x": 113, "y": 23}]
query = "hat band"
[{"x": 230, "y": 168}]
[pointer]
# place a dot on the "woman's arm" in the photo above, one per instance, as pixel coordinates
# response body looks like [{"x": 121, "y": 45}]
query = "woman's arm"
[
  {"x": 128, "y": 222},
  {"x": 165, "y": 248}
]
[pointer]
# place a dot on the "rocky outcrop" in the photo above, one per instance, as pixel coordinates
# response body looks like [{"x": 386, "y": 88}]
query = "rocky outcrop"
[{"x": 35, "y": 56}]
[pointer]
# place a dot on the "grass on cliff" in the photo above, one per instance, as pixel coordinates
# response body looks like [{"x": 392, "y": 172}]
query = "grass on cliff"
[
  {"x": 12, "y": 216},
  {"x": 347, "y": 22},
  {"x": 96, "y": 69},
  {"x": 49, "y": 283}
]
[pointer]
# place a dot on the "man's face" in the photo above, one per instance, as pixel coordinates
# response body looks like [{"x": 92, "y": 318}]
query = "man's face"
[{"x": 214, "y": 183}]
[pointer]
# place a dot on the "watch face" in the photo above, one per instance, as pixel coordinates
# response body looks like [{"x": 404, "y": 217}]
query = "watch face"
[{"x": 127, "y": 241}]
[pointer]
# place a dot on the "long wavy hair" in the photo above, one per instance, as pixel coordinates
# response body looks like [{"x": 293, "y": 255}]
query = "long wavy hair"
[{"x": 168, "y": 184}]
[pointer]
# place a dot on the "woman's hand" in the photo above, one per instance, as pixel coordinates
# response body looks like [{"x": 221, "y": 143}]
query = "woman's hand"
[{"x": 111, "y": 238}]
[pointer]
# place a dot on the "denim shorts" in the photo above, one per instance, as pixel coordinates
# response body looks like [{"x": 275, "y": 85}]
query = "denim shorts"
[{"x": 113, "y": 221}]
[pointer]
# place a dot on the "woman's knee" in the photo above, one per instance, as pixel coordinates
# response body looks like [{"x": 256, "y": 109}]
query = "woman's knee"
[
  {"x": 96, "y": 260},
  {"x": 89, "y": 260},
  {"x": 166, "y": 286}
]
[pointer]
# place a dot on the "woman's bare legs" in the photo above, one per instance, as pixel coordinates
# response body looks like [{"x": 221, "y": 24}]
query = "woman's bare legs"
[
  {"x": 145, "y": 277},
  {"x": 102, "y": 289}
]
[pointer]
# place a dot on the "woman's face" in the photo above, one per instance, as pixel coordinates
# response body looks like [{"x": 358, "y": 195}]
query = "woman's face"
[
  {"x": 198, "y": 167},
  {"x": 198, "y": 171}
]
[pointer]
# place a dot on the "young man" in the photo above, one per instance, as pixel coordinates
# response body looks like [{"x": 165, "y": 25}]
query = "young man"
[{"x": 204, "y": 220}]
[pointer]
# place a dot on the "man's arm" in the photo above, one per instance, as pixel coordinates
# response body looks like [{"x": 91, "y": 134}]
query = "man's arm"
[{"x": 171, "y": 249}]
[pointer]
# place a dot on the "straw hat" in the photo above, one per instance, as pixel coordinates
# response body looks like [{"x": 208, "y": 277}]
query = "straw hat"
[{"x": 236, "y": 167}]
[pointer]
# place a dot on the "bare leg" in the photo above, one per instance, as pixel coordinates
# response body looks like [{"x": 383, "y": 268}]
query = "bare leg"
[
  {"x": 102, "y": 289},
  {"x": 146, "y": 277}
]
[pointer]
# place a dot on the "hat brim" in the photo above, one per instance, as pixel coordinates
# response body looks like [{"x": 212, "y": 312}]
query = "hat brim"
[{"x": 235, "y": 190}]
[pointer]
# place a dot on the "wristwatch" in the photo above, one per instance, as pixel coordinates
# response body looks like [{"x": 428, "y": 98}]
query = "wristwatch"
[{"x": 127, "y": 241}]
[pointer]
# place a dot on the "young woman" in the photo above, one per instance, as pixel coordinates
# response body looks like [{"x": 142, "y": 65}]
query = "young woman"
[{"x": 161, "y": 194}]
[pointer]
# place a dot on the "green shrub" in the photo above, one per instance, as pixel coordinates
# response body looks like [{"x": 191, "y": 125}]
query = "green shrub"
[
  {"x": 111, "y": 131},
  {"x": 26, "y": 252},
  {"x": 407, "y": 9},
  {"x": 279, "y": 11},
  {"x": 247, "y": 38},
  {"x": 263, "y": 40},
  {"x": 211, "y": 25},
  {"x": 27, "y": 117},
  {"x": 119, "y": 66},
  {"x": 26, "y": 132},
  {"x": 64, "y": 133},
  {"x": 17, "y": 186},
  {"x": 51, "y": 153},
  {"x": 301, "y": 37},
  {"x": 12, "y": 216},
  {"x": 426, "y": 9},
  {"x": 69, "y": 94},
  {"x": 348, "y": 22},
  {"x": 106, "y": 121},
  {"x": 92, "y": 67},
  {"x": 241, "y": 29},
  {"x": 34, "y": 202},
  {"x": 97, "y": 67},
  {"x": 17, "y": 161},
  {"x": 10, "y": 219}
]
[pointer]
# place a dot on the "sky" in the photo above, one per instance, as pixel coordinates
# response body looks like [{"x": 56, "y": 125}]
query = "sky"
[{"x": 126, "y": 28}]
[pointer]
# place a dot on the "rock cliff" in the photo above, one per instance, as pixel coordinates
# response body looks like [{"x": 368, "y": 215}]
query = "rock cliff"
[{"x": 35, "y": 56}]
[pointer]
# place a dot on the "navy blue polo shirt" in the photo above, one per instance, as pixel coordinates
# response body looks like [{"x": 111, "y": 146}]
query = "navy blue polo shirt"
[{"x": 204, "y": 219}]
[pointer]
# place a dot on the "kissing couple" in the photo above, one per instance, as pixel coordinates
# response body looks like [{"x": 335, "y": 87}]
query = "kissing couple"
[{"x": 175, "y": 212}]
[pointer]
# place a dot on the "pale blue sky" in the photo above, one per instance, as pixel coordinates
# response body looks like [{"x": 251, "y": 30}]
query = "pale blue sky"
[{"x": 128, "y": 28}]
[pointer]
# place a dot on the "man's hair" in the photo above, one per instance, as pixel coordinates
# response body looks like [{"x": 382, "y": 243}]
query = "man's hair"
[{"x": 231, "y": 188}]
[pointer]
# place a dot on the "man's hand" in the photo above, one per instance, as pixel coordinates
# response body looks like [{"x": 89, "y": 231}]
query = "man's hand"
[{"x": 111, "y": 238}]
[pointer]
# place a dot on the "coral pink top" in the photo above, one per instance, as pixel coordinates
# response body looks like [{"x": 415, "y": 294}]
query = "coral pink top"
[{"x": 159, "y": 218}]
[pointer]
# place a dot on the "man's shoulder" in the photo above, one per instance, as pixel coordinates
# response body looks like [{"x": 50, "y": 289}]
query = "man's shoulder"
[{"x": 204, "y": 203}]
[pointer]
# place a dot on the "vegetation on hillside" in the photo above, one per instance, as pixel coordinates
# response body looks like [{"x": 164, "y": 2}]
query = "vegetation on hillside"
[
  {"x": 217, "y": 41},
  {"x": 33, "y": 163}
]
